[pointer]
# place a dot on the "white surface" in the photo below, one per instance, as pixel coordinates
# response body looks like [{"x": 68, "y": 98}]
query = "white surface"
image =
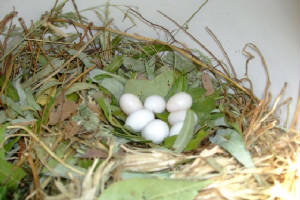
[{"x": 273, "y": 25}]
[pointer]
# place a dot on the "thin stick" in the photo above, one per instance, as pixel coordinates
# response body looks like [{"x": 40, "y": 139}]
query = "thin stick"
[
  {"x": 47, "y": 149},
  {"x": 80, "y": 75},
  {"x": 223, "y": 51},
  {"x": 296, "y": 117},
  {"x": 250, "y": 57},
  {"x": 197, "y": 41},
  {"x": 36, "y": 178}
]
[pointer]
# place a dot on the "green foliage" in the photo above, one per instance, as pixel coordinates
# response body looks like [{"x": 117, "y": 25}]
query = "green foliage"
[
  {"x": 179, "y": 62},
  {"x": 114, "y": 65},
  {"x": 114, "y": 86},
  {"x": 10, "y": 91},
  {"x": 10, "y": 175},
  {"x": 153, "y": 49},
  {"x": 180, "y": 85},
  {"x": 234, "y": 143},
  {"x": 144, "y": 88},
  {"x": 151, "y": 188},
  {"x": 186, "y": 133},
  {"x": 194, "y": 143}
]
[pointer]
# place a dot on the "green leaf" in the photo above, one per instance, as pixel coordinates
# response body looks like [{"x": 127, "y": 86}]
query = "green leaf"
[
  {"x": 169, "y": 141},
  {"x": 114, "y": 64},
  {"x": 105, "y": 108},
  {"x": 180, "y": 85},
  {"x": 131, "y": 175},
  {"x": 204, "y": 105},
  {"x": 180, "y": 63},
  {"x": 116, "y": 41},
  {"x": 87, "y": 60},
  {"x": 186, "y": 133},
  {"x": 47, "y": 85},
  {"x": 132, "y": 64},
  {"x": 30, "y": 99},
  {"x": 114, "y": 86},
  {"x": 234, "y": 143},
  {"x": 73, "y": 97},
  {"x": 3, "y": 117},
  {"x": 152, "y": 49},
  {"x": 80, "y": 86},
  {"x": 153, "y": 189},
  {"x": 163, "y": 116},
  {"x": 43, "y": 60},
  {"x": 10, "y": 175},
  {"x": 150, "y": 68},
  {"x": 144, "y": 88},
  {"x": 194, "y": 143},
  {"x": 13, "y": 105},
  {"x": 101, "y": 73},
  {"x": 10, "y": 90},
  {"x": 3, "y": 192}
]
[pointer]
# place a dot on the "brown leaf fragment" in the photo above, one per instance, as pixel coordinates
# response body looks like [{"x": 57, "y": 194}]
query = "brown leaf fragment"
[
  {"x": 62, "y": 110},
  {"x": 70, "y": 129},
  {"x": 207, "y": 84},
  {"x": 95, "y": 153}
]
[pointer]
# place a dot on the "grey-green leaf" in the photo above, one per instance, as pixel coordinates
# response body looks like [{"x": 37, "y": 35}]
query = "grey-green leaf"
[
  {"x": 87, "y": 60},
  {"x": 144, "y": 88},
  {"x": 80, "y": 86},
  {"x": 153, "y": 189},
  {"x": 186, "y": 133},
  {"x": 114, "y": 86},
  {"x": 114, "y": 64},
  {"x": 134, "y": 64},
  {"x": 234, "y": 143},
  {"x": 180, "y": 63}
]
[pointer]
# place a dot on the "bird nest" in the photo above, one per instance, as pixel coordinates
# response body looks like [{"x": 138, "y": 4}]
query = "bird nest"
[{"x": 63, "y": 135}]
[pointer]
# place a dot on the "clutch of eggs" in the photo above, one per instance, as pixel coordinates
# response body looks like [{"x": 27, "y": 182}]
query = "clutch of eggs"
[{"x": 141, "y": 117}]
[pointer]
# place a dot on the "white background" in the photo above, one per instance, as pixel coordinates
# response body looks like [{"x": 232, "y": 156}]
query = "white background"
[{"x": 273, "y": 25}]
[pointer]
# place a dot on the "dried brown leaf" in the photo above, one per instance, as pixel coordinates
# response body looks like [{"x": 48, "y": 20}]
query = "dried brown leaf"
[
  {"x": 71, "y": 128},
  {"x": 207, "y": 84},
  {"x": 95, "y": 153},
  {"x": 62, "y": 111}
]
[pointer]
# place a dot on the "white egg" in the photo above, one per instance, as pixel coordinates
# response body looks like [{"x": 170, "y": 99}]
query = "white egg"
[
  {"x": 155, "y": 103},
  {"x": 178, "y": 116},
  {"x": 130, "y": 103},
  {"x": 175, "y": 129},
  {"x": 156, "y": 131},
  {"x": 179, "y": 101},
  {"x": 139, "y": 119}
]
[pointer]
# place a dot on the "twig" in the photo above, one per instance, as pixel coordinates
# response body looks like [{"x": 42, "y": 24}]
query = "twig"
[
  {"x": 197, "y": 41},
  {"x": 80, "y": 75},
  {"x": 223, "y": 51},
  {"x": 185, "y": 24},
  {"x": 20, "y": 42},
  {"x": 23, "y": 24},
  {"x": 296, "y": 117},
  {"x": 250, "y": 57},
  {"x": 47, "y": 149},
  {"x": 36, "y": 178}
]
